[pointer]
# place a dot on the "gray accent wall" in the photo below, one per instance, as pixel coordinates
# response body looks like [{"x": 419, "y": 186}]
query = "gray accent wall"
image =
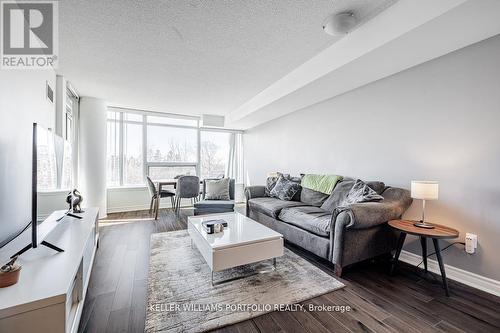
[{"x": 437, "y": 121}]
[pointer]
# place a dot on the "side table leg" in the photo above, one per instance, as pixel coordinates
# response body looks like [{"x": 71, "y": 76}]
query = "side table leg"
[
  {"x": 401, "y": 241},
  {"x": 441, "y": 265},
  {"x": 212, "y": 279},
  {"x": 274, "y": 263},
  {"x": 423, "y": 242}
]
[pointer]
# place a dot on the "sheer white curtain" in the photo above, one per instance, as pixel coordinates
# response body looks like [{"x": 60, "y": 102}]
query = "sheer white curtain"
[{"x": 234, "y": 167}]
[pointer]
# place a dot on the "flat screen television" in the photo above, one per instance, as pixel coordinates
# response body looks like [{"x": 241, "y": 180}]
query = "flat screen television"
[{"x": 51, "y": 169}]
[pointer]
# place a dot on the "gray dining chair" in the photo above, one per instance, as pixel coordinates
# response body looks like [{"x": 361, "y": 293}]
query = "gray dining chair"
[
  {"x": 188, "y": 187},
  {"x": 156, "y": 195}
]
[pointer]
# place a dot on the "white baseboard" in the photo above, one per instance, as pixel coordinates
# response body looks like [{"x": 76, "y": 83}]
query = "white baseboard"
[
  {"x": 131, "y": 208},
  {"x": 128, "y": 208},
  {"x": 468, "y": 278}
]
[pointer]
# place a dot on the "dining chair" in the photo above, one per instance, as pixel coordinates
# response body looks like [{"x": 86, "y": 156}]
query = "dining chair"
[
  {"x": 156, "y": 195},
  {"x": 188, "y": 187}
]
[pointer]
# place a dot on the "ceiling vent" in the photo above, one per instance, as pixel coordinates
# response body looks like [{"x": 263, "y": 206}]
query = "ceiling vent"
[{"x": 212, "y": 120}]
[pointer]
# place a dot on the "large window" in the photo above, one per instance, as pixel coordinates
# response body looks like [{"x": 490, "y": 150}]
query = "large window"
[
  {"x": 163, "y": 147},
  {"x": 172, "y": 150},
  {"x": 54, "y": 162},
  {"x": 132, "y": 154},
  {"x": 70, "y": 111},
  {"x": 170, "y": 172},
  {"x": 214, "y": 153},
  {"x": 171, "y": 144},
  {"x": 124, "y": 147},
  {"x": 113, "y": 150}
]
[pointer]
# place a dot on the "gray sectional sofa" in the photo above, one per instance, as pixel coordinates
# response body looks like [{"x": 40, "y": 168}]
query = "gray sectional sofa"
[{"x": 342, "y": 235}]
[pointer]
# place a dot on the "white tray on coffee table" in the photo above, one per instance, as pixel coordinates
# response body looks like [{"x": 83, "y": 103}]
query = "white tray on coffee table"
[{"x": 242, "y": 242}]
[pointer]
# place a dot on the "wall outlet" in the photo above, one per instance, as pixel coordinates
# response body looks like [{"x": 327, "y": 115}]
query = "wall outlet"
[{"x": 470, "y": 243}]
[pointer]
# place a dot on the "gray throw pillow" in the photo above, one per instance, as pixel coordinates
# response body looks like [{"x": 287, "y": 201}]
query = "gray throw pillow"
[
  {"x": 270, "y": 183},
  {"x": 285, "y": 189},
  {"x": 312, "y": 197},
  {"x": 217, "y": 189},
  {"x": 342, "y": 189},
  {"x": 378, "y": 187},
  {"x": 360, "y": 192}
]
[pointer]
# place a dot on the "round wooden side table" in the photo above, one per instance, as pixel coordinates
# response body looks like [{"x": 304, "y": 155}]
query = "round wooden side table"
[{"x": 438, "y": 232}]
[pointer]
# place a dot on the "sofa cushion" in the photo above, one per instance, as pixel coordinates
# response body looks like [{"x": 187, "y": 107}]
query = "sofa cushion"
[
  {"x": 312, "y": 219},
  {"x": 271, "y": 206},
  {"x": 378, "y": 187},
  {"x": 341, "y": 190},
  {"x": 312, "y": 197},
  {"x": 271, "y": 182},
  {"x": 285, "y": 189},
  {"x": 231, "y": 187},
  {"x": 217, "y": 189},
  {"x": 214, "y": 204},
  {"x": 361, "y": 192}
]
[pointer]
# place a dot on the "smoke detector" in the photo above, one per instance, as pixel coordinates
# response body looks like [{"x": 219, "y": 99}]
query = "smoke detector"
[{"x": 340, "y": 24}]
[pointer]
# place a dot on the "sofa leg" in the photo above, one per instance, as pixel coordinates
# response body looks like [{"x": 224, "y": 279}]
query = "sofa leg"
[{"x": 337, "y": 270}]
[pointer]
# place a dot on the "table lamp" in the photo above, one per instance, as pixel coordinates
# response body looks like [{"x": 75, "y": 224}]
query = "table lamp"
[{"x": 424, "y": 190}]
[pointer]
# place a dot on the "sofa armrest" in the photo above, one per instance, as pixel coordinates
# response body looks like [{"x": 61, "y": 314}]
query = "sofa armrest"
[
  {"x": 255, "y": 192},
  {"x": 369, "y": 214}
]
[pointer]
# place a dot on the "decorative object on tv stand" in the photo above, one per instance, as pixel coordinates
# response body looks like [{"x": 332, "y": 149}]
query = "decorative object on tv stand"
[
  {"x": 9, "y": 273},
  {"x": 74, "y": 199},
  {"x": 424, "y": 190}
]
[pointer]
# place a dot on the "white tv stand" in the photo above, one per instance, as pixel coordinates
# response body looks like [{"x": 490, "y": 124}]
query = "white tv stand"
[{"x": 50, "y": 294}]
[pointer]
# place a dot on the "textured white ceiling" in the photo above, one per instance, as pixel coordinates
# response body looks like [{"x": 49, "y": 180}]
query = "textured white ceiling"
[{"x": 191, "y": 57}]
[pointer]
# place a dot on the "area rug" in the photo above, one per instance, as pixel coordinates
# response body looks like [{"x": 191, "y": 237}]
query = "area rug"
[{"x": 181, "y": 298}]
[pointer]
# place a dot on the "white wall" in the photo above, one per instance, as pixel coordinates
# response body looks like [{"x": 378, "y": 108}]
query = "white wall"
[
  {"x": 22, "y": 102},
  {"x": 437, "y": 121},
  {"x": 50, "y": 201},
  {"x": 124, "y": 199}
]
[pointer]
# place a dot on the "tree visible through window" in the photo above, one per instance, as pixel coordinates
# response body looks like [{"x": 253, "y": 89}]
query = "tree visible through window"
[
  {"x": 163, "y": 147},
  {"x": 132, "y": 154},
  {"x": 214, "y": 153},
  {"x": 171, "y": 144}
]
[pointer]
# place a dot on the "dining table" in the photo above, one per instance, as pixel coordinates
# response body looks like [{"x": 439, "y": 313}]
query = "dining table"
[{"x": 168, "y": 182}]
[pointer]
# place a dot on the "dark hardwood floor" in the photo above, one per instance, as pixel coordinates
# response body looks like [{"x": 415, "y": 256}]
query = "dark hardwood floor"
[{"x": 406, "y": 302}]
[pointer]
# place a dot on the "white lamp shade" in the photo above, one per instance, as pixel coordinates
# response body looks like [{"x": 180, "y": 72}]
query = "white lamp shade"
[{"x": 425, "y": 190}]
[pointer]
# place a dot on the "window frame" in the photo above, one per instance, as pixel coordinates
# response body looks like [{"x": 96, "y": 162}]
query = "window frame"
[
  {"x": 70, "y": 111},
  {"x": 146, "y": 165}
]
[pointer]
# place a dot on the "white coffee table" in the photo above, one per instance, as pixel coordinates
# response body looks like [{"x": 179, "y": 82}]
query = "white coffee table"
[{"x": 242, "y": 242}]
